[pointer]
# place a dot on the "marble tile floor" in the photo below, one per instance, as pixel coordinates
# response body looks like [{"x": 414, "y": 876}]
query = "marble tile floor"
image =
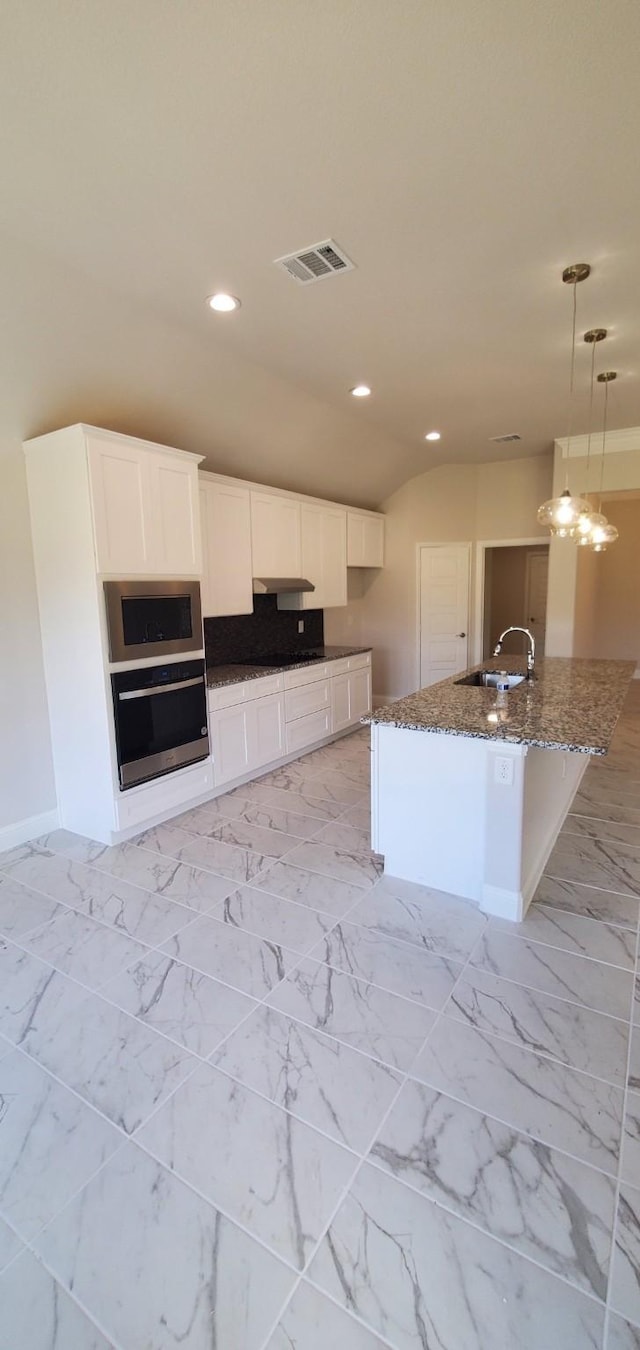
[{"x": 256, "y": 1095}]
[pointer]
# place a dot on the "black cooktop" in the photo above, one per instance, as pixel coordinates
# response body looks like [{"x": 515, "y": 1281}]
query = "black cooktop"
[{"x": 281, "y": 659}]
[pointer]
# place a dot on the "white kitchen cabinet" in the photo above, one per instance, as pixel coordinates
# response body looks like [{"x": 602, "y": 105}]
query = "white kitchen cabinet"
[
  {"x": 145, "y": 508},
  {"x": 275, "y": 535},
  {"x": 324, "y": 558},
  {"x": 246, "y": 736},
  {"x": 365, "y": 540},
  {"x": 350, "y": 697},
  {"x": 227, "y": 574}
]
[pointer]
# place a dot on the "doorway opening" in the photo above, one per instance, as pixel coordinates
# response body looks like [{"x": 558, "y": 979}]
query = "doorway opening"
[{"x": 515, "y": 592}]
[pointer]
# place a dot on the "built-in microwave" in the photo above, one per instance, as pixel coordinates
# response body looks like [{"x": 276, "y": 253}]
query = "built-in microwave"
[{"x": 153, "y": 618}]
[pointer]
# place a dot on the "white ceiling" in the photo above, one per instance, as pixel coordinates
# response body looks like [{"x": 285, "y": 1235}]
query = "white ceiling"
[{"x": 461, "y": 153}]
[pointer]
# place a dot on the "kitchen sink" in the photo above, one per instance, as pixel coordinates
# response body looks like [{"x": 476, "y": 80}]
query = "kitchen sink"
[{"x": 489, "y": 679}]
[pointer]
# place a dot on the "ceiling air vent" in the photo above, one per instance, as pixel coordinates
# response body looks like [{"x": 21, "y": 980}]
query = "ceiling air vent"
[
  {"x": 506, "y": 440},
  {"x": 316, "y": 262}
]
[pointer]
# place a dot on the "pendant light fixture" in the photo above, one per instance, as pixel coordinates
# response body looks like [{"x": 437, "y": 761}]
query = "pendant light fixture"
[
  {"x": 603, "y": 535},
  {"x": 561, "y": 514},
  {"x": 589, "y": 519}
]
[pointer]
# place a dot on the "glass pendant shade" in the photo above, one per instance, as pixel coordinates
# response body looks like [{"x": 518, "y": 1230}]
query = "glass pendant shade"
[
  {"x": 587, "y": 524},
  {"x": 602, "y": 536},
  {"x": 562, "y": 514}
]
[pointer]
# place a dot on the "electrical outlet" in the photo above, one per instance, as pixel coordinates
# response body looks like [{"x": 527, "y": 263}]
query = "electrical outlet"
[
  {"x": 301, "y": 625},
  {"x": 503, "y": 770}
]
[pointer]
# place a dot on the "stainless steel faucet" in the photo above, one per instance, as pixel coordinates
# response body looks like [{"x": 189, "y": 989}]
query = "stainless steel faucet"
[{"x": 531, "y": 654}]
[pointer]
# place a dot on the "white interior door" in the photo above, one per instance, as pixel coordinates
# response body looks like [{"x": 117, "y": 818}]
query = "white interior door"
[
  {"x": 537, "y": 580},
  {"x": 444, "y": 611}
]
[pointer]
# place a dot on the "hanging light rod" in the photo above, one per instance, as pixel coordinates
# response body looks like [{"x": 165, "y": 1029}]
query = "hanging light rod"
[
  {"x": 562, "y": 514},
  {"x": 591, "y": 518}
]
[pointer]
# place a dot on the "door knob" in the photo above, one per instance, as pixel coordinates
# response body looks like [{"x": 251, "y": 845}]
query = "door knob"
[{"x": 462, "y": 635}]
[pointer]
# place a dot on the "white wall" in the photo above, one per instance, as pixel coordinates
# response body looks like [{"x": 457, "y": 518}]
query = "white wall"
[
  {"x": 453, "y": 503},
  {"x": 26, "y": 770}
]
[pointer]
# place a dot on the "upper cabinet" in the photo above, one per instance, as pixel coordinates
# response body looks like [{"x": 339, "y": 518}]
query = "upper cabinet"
[
  {"x": 275, "y": 535},
  {"x": 145, "y": 508},
  {"x": 324, "y": 558},
  {"x": 227, "y": 572},
  {"x": 365, "y": 540}
]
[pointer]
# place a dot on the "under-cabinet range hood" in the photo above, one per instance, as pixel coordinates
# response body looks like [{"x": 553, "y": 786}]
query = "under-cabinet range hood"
[{"x": 281, "y": 585}]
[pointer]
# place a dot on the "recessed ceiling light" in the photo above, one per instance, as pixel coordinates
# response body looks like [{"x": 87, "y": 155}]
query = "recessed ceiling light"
[
  {"x": 360, "y": 391},
  {"x": 432, "y": 436},
  {"x": 223, "y": 303}
]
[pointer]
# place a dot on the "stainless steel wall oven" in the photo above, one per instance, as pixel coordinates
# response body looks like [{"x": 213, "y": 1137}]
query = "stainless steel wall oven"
[{"x": 160, "y": 715}]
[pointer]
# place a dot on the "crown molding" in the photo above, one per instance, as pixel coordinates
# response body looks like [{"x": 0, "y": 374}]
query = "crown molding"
[{"x": 618, "y": 442}]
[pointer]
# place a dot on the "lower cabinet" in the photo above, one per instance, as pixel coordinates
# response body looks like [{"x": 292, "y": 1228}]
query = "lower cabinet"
[
  {"x": 246, "y": 736},
  {"x": 251, "y": 727}
]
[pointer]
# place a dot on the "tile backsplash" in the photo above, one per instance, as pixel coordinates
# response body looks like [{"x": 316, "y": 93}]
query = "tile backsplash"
[{"x": 267, "y": 631}]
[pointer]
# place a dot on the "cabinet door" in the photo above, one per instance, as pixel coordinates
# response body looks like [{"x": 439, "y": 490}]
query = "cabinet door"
[
  {"x": 225, "y": 515},
  {"x": 365, "y": 540},
  {"x": 176, "y": 512},
  {"x": 334, "y": 553},
  {"x": 359, "y": 693},
  {"x": 266, "y": 730},
  {"x": 341, "y": 713},
  {"x": 231, "y": 743},
  {"x": 275, "y": 536},
  {"x": 121, "y": 496}
]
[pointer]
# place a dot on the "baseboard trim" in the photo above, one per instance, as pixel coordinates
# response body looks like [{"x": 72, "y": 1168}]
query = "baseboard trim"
[{"x": 24, "y": 830}]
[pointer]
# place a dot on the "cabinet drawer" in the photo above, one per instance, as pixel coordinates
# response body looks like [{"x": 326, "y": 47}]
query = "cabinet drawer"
[
  {"x": 306, "y": 675},
  {"x": 244, "y": 692},
  {"x": 307, "y": 730},
  {"x": 172, "y": 790},
  {"x": 360, "y": 661},
  {"x": 308, "y": 698},
  {"x": 339, "y": 667}
]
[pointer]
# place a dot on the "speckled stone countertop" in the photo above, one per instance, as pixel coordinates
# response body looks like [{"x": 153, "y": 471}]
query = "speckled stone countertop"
[
  {"x": 570, "y": 704},
  {"x": 217, "y": 676}
]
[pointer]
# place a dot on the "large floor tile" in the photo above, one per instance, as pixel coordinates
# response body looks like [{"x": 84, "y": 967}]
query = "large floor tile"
[
  {"x": 237, "y": 958},
  {"x": 264, "y": 794},
  {"x": 24, "y": 983},
  {"x": 200, "y": 1282},
  {"x": 370, "y": 1019},
  {"x": 10, "y": 1245},
  {"x": 590, "y": 983},
  {"x": 630, "y": 1170},
  {"x": 547, "y": 1100},
  {"x": 22, "y": 910},
  {"x": 574, "y": 933},
  {"x": 268, "y": 842},
  {"x": 84, "y": 949},
  {"x": 359, "y": 815},
  {"x": 590, "y": 901},
  {"x": 309, "y": 888},
  {"x": 312, "y": 1322},
  {"x": 185, "y": 1005},
  {"x": 634, "y": 1058},
  {"x": 238, "y": 863},
  {"x": 397, "y": 966},
  {"x": 193, "y": 886},
  {"x": 621, "y": 1335},
  {"x": 51, "y": 1143},
  {"x": 591, "y": 828},
  {"x": 419, "y": 1275},
  {"x": 624, "y": 1290},
  {"x": 586, "y": 1040},
  {"x": 548, "y": 1206},
  {"x": 294, "y": 926},
  {"x": 319, "y": 1079},
  {"x": 596, "y": 862},
  {"x": 329, "y": 785},
  {"x": 360, "y": 869},
  {"x": 37, "y": 1314},
  {"x": 588, "y": 803},
  {"x": 350, "y": 838},
  {"x": 434, "y": 921},
  {"x": 595, "y": 789},
  {"x": 283, "y": 1191},
  {"x": 207, "y": 819},
  {"x": 114, "y": 1062},
  {"x": 140, "y": 914}
]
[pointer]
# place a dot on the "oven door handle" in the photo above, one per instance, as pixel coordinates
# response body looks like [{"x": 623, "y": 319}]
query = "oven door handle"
[{"x": 160, "y": 689}]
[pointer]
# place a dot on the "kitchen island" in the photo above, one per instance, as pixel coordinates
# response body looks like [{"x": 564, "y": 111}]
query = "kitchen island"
[{"x": 470, "y": 786}]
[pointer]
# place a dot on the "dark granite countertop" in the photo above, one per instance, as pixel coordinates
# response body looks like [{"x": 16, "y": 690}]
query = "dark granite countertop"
[
  {"x": 218, "y": 676},
  {"x": 570, "y": 704}
]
